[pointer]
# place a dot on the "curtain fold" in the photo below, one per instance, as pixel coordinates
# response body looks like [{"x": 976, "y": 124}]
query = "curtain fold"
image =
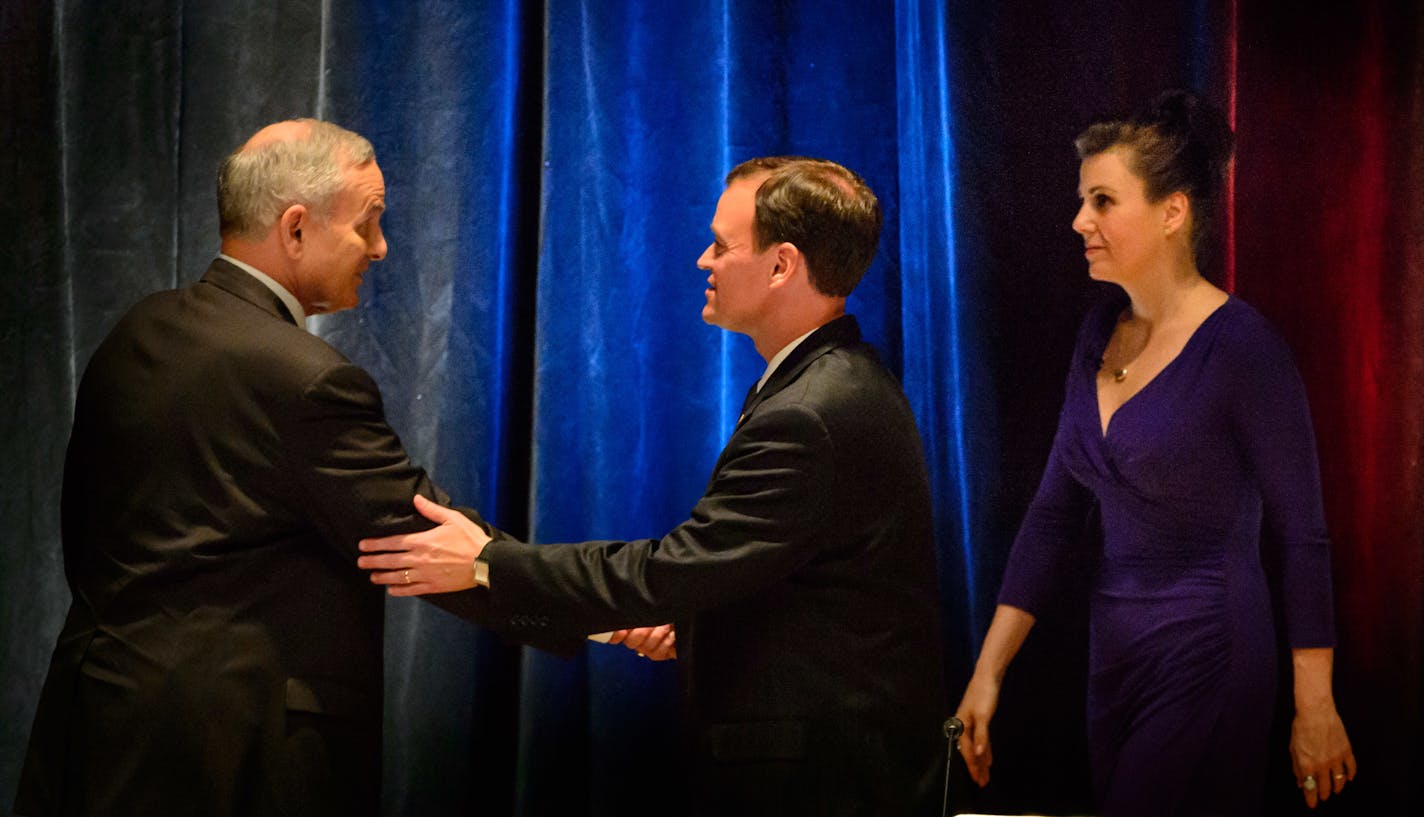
[
  {"x": 36, "y": 380},
  {"x": 452, "y": 106},
  {"x": 943, "y": 354},
  {"x": 552, "y": 169},
  {"x": 1328, "y": 236}
]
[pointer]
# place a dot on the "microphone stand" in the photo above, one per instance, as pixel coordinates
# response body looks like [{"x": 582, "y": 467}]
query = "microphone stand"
[{"x": 953, "y": 728}]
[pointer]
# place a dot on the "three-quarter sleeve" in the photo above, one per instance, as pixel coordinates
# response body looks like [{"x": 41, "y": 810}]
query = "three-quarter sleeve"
[
  {"x": 1271, "y": 423},
  {"x": 1044, "y": 548},
  {"x": 1049, "y": 539}
]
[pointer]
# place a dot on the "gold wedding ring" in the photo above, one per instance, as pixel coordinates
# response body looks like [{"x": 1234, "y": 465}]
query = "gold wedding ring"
[{"x": 407, "y": 575}]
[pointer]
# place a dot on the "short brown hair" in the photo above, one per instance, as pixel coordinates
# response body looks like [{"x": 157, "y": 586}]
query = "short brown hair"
[{"x": 825, "y": 209}]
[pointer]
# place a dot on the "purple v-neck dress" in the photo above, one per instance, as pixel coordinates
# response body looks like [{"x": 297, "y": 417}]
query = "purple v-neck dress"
[{"x": 1182, "y": 647}]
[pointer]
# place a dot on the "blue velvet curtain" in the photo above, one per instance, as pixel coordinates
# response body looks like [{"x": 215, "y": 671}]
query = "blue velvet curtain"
[{"x": 552, "y": 168}]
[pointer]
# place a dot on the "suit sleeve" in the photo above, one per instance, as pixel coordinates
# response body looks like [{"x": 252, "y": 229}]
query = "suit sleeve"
[
  {"x": 353, "y": 475},
  {"x": 355, "y": 480},
  {"x": 761, "y": 518}
]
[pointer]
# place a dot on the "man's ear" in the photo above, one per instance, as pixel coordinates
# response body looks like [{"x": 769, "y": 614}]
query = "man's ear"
[
  {"x": 788, "y": 264},
  {"x": 289, "y": 229}
]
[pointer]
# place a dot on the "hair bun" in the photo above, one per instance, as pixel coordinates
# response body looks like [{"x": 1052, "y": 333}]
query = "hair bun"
[
  {"x": 1180, "y": 142},
  {"x": 1172, "y": 108},
  {"x": 1187, "y": 116}
]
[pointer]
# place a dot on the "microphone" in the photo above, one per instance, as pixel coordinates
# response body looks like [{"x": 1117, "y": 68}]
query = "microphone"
[{"x": 953, "y": 728}]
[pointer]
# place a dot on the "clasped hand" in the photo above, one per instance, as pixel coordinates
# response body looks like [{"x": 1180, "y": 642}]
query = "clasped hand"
[
  {"x": 441, "y": 560},
  {"x": 653, "y": 643},
  {"x": 438, "y": 560}
]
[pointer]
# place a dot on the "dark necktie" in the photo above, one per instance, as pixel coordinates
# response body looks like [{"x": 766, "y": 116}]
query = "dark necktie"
[{"x": 747, "y": 403}]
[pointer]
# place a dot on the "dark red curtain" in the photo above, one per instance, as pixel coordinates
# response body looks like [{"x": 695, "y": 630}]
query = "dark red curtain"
[
  {"x": 1325, "y": 237},
  {"x": 1329, "y": 224}
]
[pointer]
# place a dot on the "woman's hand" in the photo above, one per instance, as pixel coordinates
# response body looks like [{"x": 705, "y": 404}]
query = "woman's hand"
[
  {"x": 1320, "y": 749},
  {"x": 1006, "y": 634},
  {"x": 976, "y": 709},
  {"x": 1320, "y": 752}
]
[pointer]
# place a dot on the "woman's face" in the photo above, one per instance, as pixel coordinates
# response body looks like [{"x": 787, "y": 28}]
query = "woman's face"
[{"x": 1122, "y": 231}]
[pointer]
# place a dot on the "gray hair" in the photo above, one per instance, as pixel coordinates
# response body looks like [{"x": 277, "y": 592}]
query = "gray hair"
[{"x": 257, "y": 184}]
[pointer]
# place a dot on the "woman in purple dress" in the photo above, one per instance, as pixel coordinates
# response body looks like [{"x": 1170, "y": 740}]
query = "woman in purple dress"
[{"x": 1185, "y": 420}]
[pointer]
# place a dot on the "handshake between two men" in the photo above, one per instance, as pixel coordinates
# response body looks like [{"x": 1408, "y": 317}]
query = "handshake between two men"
[
  {"x": 802, "y": 584},
  {"x": 452, "y": 556}
]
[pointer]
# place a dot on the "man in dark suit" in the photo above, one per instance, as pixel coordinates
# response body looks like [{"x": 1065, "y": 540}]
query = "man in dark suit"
[
  {"x": 222, "y": 656},
  {"x": 803, "y": 585}
]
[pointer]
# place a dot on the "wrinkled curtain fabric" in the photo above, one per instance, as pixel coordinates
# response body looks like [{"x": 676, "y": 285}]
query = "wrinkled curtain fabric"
[{"x": 552, "y": 169}]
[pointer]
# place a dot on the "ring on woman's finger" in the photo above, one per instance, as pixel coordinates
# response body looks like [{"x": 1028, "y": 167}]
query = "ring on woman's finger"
[
  {"x": 1308, "y": 783},
  {"x": 1339, "y": 775}
]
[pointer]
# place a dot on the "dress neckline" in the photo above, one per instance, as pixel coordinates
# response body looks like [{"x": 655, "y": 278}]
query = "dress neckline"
[{"x": 1105, "y": 427}]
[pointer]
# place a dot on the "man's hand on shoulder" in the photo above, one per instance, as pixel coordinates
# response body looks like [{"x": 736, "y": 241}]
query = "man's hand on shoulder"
[{"x": 438, "y": 560}]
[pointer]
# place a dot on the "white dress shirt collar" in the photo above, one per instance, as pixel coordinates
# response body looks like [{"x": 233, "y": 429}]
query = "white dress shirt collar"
[
  {"x": 293, "y": 305},
  {"x": 780, "y": 356}
]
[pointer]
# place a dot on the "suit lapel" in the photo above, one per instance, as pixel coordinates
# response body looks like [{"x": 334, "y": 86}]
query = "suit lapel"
[
  {"x": 842, "y": 331},
  {"x": 236, "y": 281}
]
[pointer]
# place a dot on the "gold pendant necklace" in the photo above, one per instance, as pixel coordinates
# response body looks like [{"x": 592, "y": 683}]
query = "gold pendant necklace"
[{"x": 1119, "y": 375}]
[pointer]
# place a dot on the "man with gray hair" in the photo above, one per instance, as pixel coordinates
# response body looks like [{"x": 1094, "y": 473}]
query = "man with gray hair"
[{"x": 222, "y": 654}]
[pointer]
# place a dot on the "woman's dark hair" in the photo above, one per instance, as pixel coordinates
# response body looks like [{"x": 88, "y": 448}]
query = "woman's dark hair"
[{"x": 1178, "y": 142}]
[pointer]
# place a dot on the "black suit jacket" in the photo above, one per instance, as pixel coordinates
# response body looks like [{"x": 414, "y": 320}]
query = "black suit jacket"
[
  {"x": 222, "y": 655},
  {"x": 804, "y": 592}
]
